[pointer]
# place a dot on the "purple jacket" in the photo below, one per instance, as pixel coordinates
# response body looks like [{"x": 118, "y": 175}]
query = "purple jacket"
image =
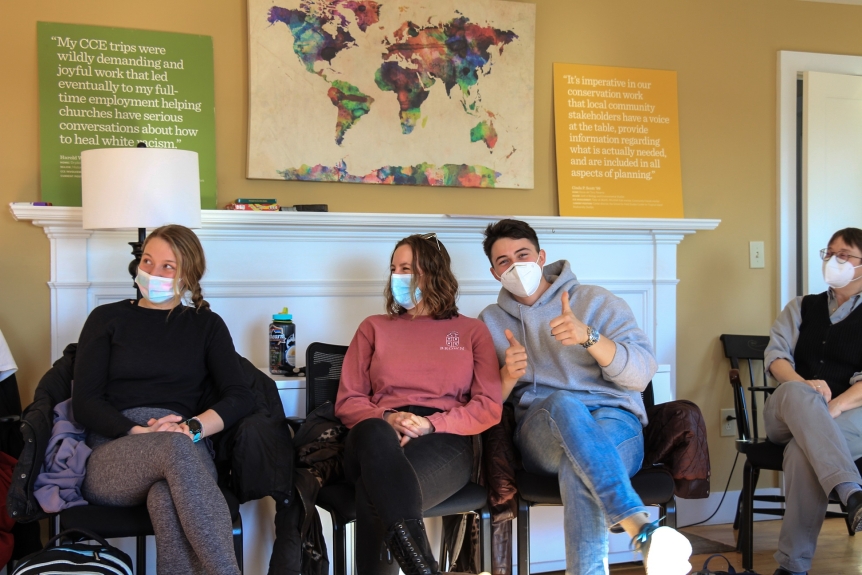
[{"x": 58, "y": 485}]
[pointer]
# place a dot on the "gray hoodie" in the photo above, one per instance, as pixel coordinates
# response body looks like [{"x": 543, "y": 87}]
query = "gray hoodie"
[{"x": 553, "y": 366}]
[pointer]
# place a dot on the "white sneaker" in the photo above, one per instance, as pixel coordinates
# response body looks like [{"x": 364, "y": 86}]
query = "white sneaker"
[{"x": 665, "y": 551}]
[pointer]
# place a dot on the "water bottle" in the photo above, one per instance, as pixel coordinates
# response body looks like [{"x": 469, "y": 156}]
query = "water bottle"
[{"x": 282, "y": 344}]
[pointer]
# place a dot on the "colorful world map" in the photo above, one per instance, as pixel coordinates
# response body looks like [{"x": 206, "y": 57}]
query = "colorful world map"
[{"x": 456, "y": 52}]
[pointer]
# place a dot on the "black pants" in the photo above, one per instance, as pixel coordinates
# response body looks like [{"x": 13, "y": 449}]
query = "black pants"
[{"x": 395, "y": 483}]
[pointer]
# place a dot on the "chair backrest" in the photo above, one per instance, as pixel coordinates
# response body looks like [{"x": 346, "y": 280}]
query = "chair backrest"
[
  {"x": 648, "y": 396},
  {"x": 323, "y": 373},
  {"x": 10, "y": 400},
  {"x": 323, "y": 363},
  {"x": 748, "y": 349}
]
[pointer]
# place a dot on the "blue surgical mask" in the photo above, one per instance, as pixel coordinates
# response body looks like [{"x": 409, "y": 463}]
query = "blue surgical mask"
[
  {"x": 155, "y": 288},
  {"x": 400, "y": 284}
]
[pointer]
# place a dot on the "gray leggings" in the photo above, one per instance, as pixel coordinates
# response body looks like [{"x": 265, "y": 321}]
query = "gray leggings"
[{"x": 176, "y": 479}]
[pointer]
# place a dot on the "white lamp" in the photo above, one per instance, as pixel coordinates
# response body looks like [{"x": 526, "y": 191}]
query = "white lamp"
[{"x": 128, "y": 188}]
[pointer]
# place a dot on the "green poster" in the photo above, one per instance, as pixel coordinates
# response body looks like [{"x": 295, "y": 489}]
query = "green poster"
[{"x": 114, "y": 87}]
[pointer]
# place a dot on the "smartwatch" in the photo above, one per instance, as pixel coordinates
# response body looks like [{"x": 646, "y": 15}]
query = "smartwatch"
[{"x": 196, "y": 428}]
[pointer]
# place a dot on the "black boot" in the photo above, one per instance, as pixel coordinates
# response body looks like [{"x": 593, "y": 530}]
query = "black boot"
[{"x": 408, "y": 543}]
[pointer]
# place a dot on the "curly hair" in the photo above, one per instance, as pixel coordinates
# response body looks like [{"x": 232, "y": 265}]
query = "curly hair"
[
  {"x": 440, "y": 289},
  {"x": 191, "y": 263}
]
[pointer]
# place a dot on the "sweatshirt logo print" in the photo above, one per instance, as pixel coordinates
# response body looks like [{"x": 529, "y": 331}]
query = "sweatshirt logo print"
[{"x": 453, "y": 340}]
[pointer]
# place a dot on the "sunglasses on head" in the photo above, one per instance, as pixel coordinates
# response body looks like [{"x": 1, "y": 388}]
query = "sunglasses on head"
[{"x": 431, "y": 236}]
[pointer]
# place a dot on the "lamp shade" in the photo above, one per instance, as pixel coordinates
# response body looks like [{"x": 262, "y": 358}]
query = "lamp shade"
[{"x": 123, "y": 188}]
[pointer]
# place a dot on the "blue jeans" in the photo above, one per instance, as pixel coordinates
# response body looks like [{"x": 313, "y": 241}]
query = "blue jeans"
[{"x": 594, "y": 451}]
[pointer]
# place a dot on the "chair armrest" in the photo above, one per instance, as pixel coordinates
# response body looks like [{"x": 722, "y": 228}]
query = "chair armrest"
[{"x": 767, "y": 389}]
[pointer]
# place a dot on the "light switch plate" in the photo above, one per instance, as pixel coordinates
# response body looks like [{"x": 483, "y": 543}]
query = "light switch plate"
[{"x": 755, "y": 255}]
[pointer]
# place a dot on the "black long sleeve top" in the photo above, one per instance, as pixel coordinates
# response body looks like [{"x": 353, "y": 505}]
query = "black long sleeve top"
[{"x": 130, "y": 356}]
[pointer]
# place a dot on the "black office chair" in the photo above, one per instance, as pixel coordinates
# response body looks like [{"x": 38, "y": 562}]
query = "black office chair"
[
  {"x": 120, "y": 522},
  {"x": 11, "y": 441},
  {"x": 323, "y": 373},
  {"x": 760, "y": 453},
  {"x": 654, "y": 485},
  {"x": 109, "y": 522}
]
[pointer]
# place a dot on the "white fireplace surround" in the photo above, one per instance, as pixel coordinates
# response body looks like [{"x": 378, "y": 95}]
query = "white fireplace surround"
[{"x": 330, "y": 270}]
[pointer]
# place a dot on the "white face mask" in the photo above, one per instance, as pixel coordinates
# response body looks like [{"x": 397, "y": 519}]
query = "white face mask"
[
  {"x": 155, "y": 288},
  {"x": 836, "y": 274},
  {"x": 522, "y": 278},
  {"x": 400, "y": 284}
]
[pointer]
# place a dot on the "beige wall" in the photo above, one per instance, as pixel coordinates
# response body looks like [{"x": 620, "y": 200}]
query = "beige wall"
[{"x": 723, "y": 50}]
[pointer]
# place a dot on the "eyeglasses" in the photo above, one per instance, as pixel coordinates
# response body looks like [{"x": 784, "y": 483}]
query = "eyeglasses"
[
  {"x": 431, "y": 236},
  {"x": 825, "y": 254}
]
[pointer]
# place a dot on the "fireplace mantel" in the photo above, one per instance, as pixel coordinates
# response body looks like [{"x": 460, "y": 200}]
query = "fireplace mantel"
[{"x": 258, "y": 262}]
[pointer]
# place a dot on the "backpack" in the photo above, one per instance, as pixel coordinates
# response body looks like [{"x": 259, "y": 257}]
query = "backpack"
[
  {"x": 706, "y": 571},
  {"x": 80, "y": 558}
]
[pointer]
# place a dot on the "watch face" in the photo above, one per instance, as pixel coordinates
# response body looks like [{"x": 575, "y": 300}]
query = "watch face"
[{"x": 194, "y": 426}]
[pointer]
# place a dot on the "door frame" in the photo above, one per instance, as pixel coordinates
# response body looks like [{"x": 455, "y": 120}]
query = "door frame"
[{"x": 790, "y": 67}]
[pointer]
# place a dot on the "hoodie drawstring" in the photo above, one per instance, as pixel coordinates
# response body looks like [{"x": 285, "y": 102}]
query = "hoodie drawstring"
[{"x": 524, "y": 332}]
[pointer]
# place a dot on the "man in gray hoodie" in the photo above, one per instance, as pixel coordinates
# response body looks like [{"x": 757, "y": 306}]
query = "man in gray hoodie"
[{"x": 574, "y": 364}]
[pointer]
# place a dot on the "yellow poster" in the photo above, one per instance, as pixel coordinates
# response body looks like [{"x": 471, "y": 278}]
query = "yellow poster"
[{"x": 617, "y": 133}]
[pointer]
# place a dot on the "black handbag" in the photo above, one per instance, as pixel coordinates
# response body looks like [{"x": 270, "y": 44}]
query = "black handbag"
[
  {"x": 730, "y": 569},
  {"x": 80, "y": 558}
]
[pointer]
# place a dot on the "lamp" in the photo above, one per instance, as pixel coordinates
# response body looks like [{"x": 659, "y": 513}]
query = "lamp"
[{"x": 128, "y": 188}]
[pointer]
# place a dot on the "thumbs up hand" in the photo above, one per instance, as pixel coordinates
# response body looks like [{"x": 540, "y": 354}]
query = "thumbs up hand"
[
  {"x": 516, "y": 359},
  {"x": 566, "y": 328}
]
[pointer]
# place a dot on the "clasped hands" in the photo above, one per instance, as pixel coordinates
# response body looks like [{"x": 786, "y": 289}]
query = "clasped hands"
[
  {"x": 408, "y": 426},
  {"x": 169, "y": 423},
  {"x": 566, "y": 329},
  {"x": 822, "y": 388}
]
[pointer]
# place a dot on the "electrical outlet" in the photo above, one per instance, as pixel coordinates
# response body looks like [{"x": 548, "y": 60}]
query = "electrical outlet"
[
  {"x": 728, "y": 422},
  {"x": 755, "y": 255}
]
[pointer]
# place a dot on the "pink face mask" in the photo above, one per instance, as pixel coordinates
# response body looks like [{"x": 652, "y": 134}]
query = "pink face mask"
[{"x": 155, "y": 288}]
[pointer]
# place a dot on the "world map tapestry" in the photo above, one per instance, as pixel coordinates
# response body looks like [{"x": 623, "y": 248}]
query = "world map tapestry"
[{"x": 433, "y": 92}]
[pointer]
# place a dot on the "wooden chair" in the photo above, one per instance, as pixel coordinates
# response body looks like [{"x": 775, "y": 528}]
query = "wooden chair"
[{"x": 760, "y": 453}]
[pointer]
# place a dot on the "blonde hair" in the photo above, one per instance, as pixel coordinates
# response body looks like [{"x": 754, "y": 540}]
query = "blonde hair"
[{"x": 191, "y": 262}]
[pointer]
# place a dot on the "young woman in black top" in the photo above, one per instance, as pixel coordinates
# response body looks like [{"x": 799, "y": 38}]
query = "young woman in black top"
[{"x": 142, "y": 372}]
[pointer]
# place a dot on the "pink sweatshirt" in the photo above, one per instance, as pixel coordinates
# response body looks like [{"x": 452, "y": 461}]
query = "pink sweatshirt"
[{"x": 447, "y": 364}]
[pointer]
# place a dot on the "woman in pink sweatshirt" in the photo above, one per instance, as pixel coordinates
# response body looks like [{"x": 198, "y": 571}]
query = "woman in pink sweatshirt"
[{"x": 416, "y": 383}]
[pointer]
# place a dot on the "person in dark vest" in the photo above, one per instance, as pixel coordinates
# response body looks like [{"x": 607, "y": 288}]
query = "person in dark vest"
[{"x": 815, "y": 354}]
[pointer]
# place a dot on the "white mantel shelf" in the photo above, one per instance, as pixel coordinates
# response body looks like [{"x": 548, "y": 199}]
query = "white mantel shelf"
[{"x": 411, "y": 223}]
